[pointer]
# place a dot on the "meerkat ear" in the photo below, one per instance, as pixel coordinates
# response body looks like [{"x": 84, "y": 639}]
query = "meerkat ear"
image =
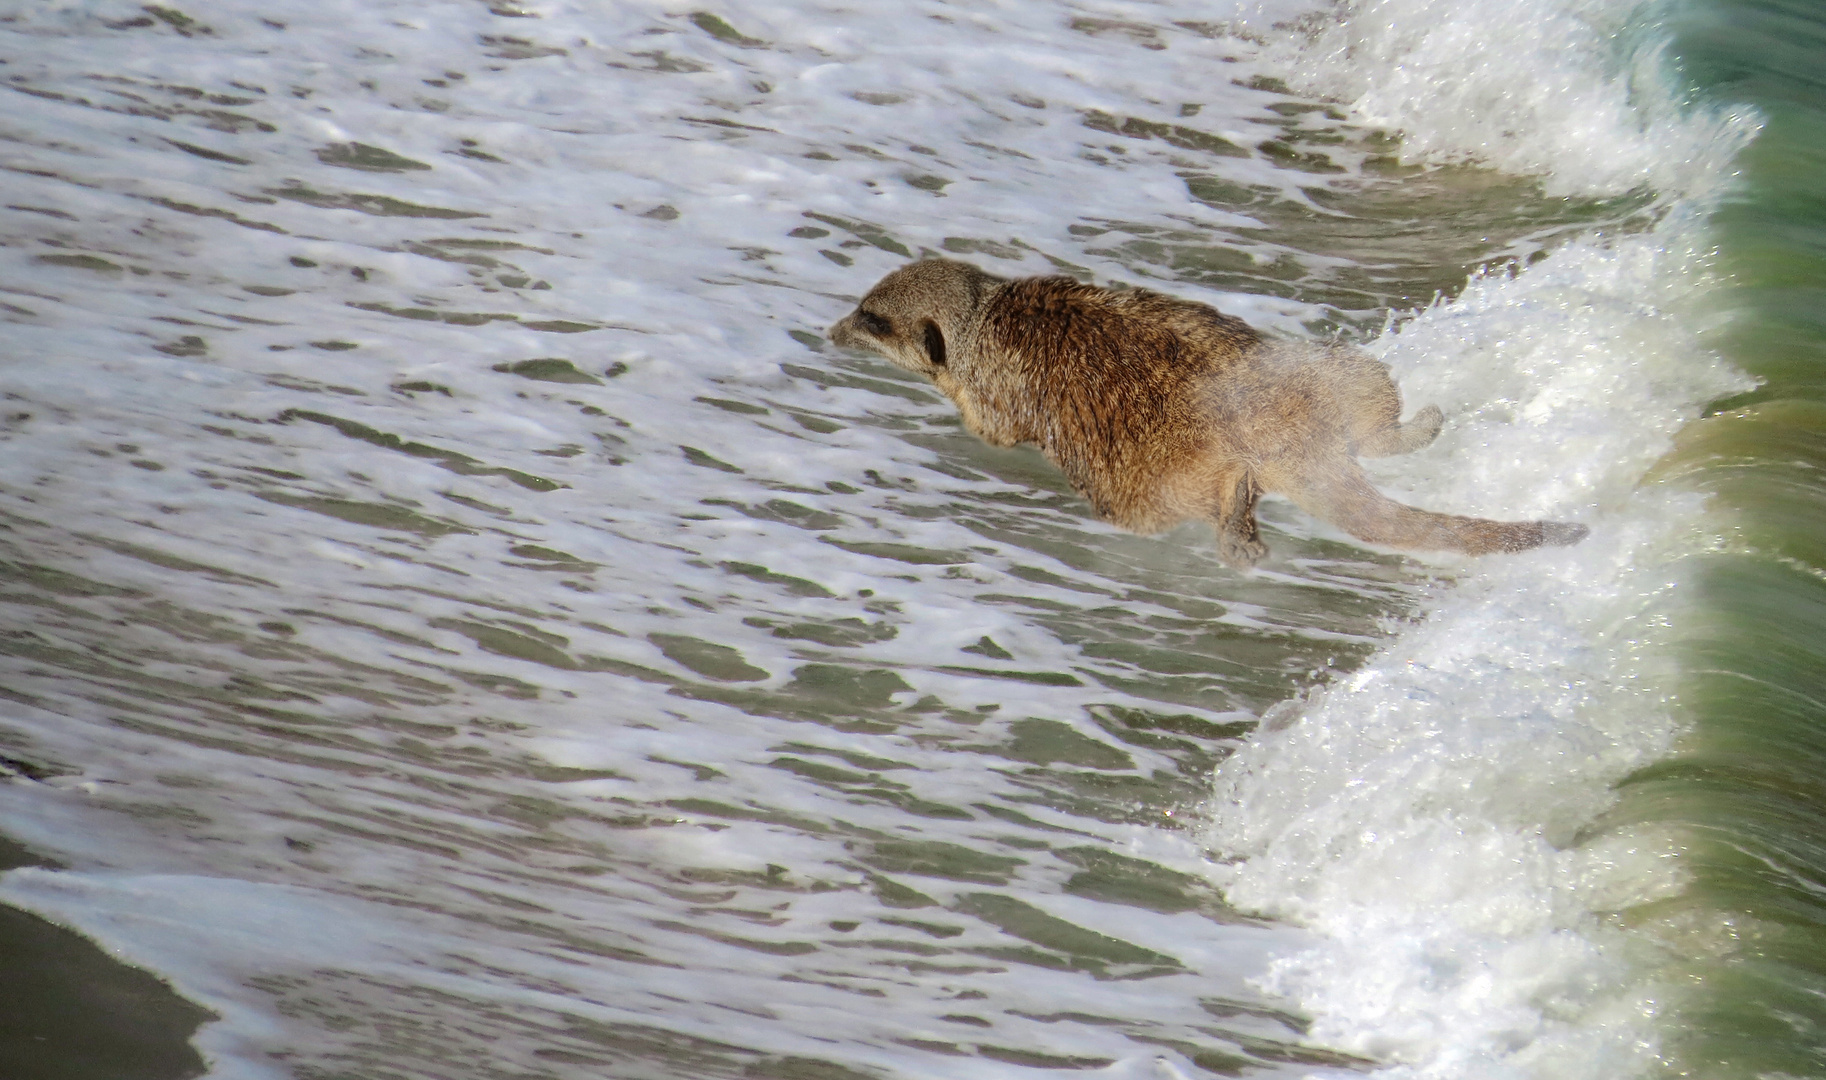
[{"x": 935, "y": 344}]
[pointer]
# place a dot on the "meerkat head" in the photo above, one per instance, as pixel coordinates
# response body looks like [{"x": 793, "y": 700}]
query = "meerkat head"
[{"x": 916, "y": 315}]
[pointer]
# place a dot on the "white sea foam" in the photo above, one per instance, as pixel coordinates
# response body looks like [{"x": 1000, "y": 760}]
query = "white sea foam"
[
  {"x": 1425, "y": 812},
  {"x": 1578, "y": 92}
]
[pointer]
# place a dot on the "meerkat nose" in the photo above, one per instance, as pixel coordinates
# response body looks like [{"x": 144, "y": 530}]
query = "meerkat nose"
[{"x": 843, "y": 332}]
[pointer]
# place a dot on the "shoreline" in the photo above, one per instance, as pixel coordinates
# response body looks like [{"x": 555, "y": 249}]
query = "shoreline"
[{"x": 69, "y": 1011}]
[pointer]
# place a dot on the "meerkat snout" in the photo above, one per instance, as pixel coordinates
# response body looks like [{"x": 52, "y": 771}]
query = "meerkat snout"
[{"x": 1159, "y": 409}]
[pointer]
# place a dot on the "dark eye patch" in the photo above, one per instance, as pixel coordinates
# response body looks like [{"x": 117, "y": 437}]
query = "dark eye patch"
[
  {"x": 874, "y": 323},
  {"x": 935, "y": 344}
]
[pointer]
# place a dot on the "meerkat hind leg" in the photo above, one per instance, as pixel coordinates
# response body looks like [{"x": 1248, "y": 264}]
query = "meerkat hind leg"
[
  {"x": 1420, "y": 430},
  {"x": 1371, "y": 407}
]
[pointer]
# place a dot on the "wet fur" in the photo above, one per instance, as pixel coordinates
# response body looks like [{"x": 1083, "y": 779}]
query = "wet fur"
[{"x": 1159, "y": 410}]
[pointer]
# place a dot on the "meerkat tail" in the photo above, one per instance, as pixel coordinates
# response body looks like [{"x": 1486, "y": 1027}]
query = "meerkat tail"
[
  {"x": 1351, "y": 503},
  {"x": 1420, "y": 430}
]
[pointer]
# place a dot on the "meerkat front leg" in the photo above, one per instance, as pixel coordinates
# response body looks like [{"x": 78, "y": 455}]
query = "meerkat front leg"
[{"x": 1239, "y": 542}]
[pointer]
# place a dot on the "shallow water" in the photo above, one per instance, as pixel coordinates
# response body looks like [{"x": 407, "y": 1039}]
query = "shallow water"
[{"x": 463, "y": 620}]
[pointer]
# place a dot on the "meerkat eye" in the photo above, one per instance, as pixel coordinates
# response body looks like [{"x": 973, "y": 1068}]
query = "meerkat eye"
[
  {"x": 935, "y": 344},
  {"x": 874, "y": 323}
]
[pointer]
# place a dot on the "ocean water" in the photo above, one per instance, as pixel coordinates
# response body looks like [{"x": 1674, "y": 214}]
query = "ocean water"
[{"x": 462, "y": 619}]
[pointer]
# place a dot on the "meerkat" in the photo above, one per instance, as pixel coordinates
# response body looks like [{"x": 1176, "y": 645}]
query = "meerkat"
[{"x": 1161, "y": 410}]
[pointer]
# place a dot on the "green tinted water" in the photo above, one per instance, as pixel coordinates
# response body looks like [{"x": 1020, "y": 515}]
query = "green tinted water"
[{"x": 1747, "y": 788}]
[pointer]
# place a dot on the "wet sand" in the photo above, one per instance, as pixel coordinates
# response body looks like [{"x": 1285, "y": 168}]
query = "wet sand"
[{"x": 68, "y": 1011}]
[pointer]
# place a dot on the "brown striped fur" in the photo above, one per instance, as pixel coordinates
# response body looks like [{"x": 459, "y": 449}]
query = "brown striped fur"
[{"x": 1159, "y": 410}]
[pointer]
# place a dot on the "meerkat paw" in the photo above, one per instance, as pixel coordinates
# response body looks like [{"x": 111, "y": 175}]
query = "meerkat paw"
[{"x": 1240, "y": 552}]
